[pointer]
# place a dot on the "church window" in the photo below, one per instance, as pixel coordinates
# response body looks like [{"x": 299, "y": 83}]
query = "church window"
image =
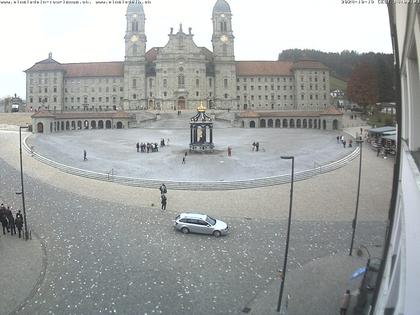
[
  {"x": 225, "y": 83},
  {"x": 165, "y": 94},
  {"x": 266, "y": 97},
  {"x": 121, "y": 89},
  {"x": 252, "y": 97},
  {"x": 285, "y": 97},
  {"x": 78, "y": 100},
  {"x": 210, "y": 82},
  {"x": 134, "y": 83},
  {"x": 197, "y": 83},
  {"x": 85, "y": 99},
  {"x": 55, "y": 89},
  {"x": 252, "y": 88},
  {"x": 291, "y": 97},
  {"x": 244, "y": 87},
  {"x": 310, "y": 96},
  {"x": 259, "y": 87},
  {"x": 310, "y": 86},
  {"x": 107, "y": 99},
  {"x": 46, "y": 89},
  {"x": 210, "y": 94},
  {"x": 259, "y": 97},
  {"x": 223, "y": 27},
  {"x": 278, "y": 97},
  {"x": 99, "y": 99},
  {"x": 134, "y": 49},
  {"x": 114, "y": 99},
  {"x": 165, "y": 83},
  {"x": 93, "y": 100},
  {"x": 266, "y": 87},
  {"x": 226, "y": 96},
  {"x": 114, "y": 89},
  {"x": 323, "y": 79},
  {"x": 31, "y": 100},
  {"x": 302, "y": 97},
  {"x": 325, "y": 96},
  {"x": 72, "y": 99},
  {"x": 302, "y": 86},
  {"x": 151, "y": 94},
  {"x": 237, "y": 79},
  {"x": 197, "y": 93},
  {"x": 150, "y": 83},
  {"x": 181, "y": 81},
  {"x": 55, "y": 99},
  {"x": 40, "y": 100},
  {"x": 316, "y": 79},
  {"x": 65, "y": 99},
  {"x": 238, "y": 88}
]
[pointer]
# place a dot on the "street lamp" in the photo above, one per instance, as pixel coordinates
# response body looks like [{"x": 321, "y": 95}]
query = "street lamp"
[
  {"x": 283, "y": 276},
  {"x": 21, "y": 181},
  {"x": 354, "y": 222}
]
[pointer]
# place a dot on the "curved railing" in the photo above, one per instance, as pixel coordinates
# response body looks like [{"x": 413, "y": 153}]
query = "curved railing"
[{"x": 197, "y": 185}]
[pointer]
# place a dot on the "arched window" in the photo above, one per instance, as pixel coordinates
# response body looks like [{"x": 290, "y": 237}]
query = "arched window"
[
  {"x": 134, "y": 26},
  {"x": 298, "y": 123},
  {"x": 284, "y": 123},
  {"x": 262, "y": 123},
  {"x": 134, "y": 49},
  {"x": 252, "y": 124},
  {"x": 270, "y": 123},
  {"x": 181, "y": 81},
  {"x": 277, "y": 123},
  {"x": 292, "y": 123}
]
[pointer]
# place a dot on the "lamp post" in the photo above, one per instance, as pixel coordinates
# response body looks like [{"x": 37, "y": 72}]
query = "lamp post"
[
  {"x": 354, "y": 222},
  {"x": 283, "y": 277},
  {"x": 21, "y": 181}
]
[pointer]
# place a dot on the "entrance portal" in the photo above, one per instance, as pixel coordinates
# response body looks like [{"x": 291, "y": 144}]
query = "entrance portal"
[{"x": 181, "y": 103}]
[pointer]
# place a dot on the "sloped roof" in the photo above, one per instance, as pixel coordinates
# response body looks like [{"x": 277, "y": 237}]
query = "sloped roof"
[
  {"x": 251, "y": 114},
  {"x": 48, "y": 64},
  {"x": 42, "y": 114},
  {"x": 264, "y": 68},
  {"x": 94, "y": 69},
  {"x": 309, "y": 64},
  {"x": 81, "y": 115},
  {"x": 331, "y": 110}
]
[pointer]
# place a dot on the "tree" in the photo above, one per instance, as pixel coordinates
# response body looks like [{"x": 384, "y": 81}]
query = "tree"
[{"x": 362, "y": 87}]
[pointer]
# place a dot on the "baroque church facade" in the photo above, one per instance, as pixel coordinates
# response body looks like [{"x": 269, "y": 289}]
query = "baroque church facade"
[{"x": 180, "y": 75}]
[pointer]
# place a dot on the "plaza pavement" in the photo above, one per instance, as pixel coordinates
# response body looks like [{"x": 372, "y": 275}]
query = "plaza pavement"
[{"x": 326, "y": 198}]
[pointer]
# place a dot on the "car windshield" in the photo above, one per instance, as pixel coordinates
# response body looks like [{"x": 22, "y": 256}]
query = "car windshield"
[{"x": 210, "y": 220}]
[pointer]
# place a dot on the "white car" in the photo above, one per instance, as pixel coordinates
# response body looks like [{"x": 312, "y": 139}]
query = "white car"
[{"x": 200, "y": 223}]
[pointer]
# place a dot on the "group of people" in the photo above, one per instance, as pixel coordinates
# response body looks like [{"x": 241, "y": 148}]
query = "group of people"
[
  {"x": 340, "y": 139},
  {"x": 147, "y": 147},
  {"x": 10, "y": 223},
  {"x": 163, "y": 198}
]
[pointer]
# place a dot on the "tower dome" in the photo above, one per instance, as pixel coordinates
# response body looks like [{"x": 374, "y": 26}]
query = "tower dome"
[
  {"x": 135, "y": 7},
  {"x": 221, "y": 6}
]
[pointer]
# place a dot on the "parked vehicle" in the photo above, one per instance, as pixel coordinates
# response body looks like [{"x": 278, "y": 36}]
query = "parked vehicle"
[{"x": 200, "y": 223}]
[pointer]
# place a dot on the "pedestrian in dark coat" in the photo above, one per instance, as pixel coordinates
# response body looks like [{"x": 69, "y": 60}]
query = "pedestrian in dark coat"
[
  {"x": 11, "y": 221},
  {"x": 19, "y": 222},
  {"x": 3, "y": 218},
  {"x": 345, "y": 303},
  {"x": 163, "y": 201},
  {"x": 163, "y": 189},
  {"x": 84, "y": 155},
  {"x": 138, "y": 146}
]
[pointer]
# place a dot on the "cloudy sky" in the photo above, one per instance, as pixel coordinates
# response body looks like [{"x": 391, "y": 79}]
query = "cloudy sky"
[{"x": 262, "y": 29}]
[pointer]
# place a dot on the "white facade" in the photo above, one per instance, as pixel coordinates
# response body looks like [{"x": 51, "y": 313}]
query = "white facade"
[
  {"x": 399, "y": 287},
  {"x": 178, "y": 75}
]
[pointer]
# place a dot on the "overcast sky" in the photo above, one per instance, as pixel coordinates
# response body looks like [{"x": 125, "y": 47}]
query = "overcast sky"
[{"x": 262, "y": 29}]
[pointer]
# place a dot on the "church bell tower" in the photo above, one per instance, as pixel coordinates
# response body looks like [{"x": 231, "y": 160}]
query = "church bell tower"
[{"x": 135, "y": 61}]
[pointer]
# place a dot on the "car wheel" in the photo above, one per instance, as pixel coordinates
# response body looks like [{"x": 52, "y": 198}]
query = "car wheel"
[
  {"x": 185, "y": 230},
  {"x": 217, "y": 233}
]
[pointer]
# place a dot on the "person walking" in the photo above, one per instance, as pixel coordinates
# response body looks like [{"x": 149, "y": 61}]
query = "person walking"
[
  {"x": 19, "y": 222},
  {"x": 345, "y": 303},
  {"x": 11, "y": 221},
  {"x": 163, "y": 189},
  {"x": 3, "y": 218},
  {"x": 183, "y": 160},
  {"x": 84, "y": 155},
  {"x": 138, "y": 146},
  {"x": 163, "y": 201}
]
